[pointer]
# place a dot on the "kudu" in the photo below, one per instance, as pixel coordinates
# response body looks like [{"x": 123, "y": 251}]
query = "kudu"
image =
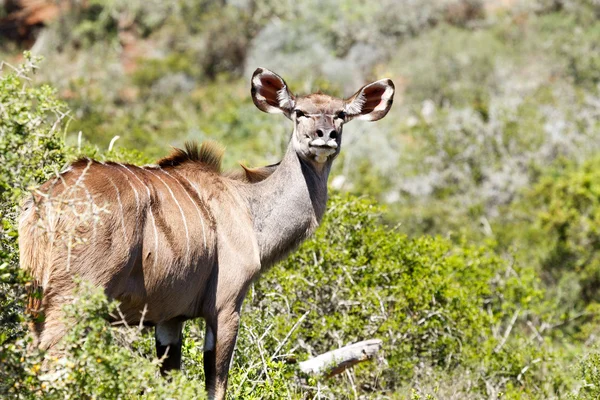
[{"x": 180, "y": 239}]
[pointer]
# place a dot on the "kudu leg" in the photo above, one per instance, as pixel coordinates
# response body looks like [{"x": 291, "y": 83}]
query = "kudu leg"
[
  {"x": 51, "y": 328},
  {"x": 169, "y": 339},
  {"x": 218, "y": 351}
]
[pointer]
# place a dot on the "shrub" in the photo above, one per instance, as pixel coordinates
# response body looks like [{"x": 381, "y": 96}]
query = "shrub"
[
  {"x": 589, "y": 370},
  {"x": 432, "y": 302},
  {"x": 567, "y": 223},
  {"x": 552, "y": 227},
  {"x": 95, "y": 361}
]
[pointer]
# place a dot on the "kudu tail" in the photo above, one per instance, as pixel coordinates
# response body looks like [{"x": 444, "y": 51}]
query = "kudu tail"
[{"x": 33, "y": 245}]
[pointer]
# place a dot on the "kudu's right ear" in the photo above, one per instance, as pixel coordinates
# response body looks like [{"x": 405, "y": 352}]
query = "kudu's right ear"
[
  {"x": 270, "y": 93},
  {"x": 372, "y": 102}
]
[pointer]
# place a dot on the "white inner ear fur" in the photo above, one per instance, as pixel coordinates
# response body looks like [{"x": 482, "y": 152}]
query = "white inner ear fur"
[
  {"x": 355, "y": 107},
  {"x": 361, "y": 99},
  {"x": 273, "y": 110},
  {"x": 284, "y": 99},
  {"x": 389, "y": 91},
  {"x": 257, "y": 82}
]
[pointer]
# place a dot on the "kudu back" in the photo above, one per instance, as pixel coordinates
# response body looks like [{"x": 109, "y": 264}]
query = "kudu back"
[{"x": 180, "y": 239}]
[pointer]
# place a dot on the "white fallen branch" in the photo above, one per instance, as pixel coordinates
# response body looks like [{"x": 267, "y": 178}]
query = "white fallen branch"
[{"x": 337, "y": 361}]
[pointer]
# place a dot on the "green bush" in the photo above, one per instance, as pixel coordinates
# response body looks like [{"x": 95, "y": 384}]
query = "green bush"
[
  {"x": 573, "y": 43},
  {"x": 432, "y": 302},
  {"x": 567, "y": 226},
  {"x": 94, "y": 361},
  {"x": 552, "y": 228},
  {"x": 31, "y": 146},
  {"x": 590, "y": 375}
]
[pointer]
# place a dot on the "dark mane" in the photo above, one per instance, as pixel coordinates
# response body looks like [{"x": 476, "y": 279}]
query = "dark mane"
[{"x": 209, "y": 154}]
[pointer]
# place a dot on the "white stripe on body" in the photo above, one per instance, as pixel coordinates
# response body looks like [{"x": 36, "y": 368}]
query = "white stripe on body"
[
  {"x": 151, "y": 215},
  {"x": 187, "y": 234},
  {"x": 120, "y": 206},
  {"x": 192, "y": 200},
  {"x": 92, "y": 206},
  {"x": 135, "y": 192},
  {"x": 200, "y": 197}
]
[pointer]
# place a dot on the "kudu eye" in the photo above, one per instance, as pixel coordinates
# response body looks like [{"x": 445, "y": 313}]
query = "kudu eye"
[
  {"x": 341, "y": 115},
  {"x": 299, "y": 114}
]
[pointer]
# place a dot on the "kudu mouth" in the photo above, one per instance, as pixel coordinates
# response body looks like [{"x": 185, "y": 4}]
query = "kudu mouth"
[
  {"x": 322, "y": 144},
  {"x": 322, "y": 149}
]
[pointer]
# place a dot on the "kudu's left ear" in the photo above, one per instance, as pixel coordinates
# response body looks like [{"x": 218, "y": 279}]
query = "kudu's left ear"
[
  {"x": 270, "y": 93},
  {"x": 372, "y": 101}
]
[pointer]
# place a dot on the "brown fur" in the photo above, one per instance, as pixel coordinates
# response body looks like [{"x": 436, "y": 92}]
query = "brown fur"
[{"x": 252, "y": 175}]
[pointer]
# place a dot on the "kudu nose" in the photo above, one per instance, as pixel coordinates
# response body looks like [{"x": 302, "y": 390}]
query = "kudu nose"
[{"x": 332, "y": 134}]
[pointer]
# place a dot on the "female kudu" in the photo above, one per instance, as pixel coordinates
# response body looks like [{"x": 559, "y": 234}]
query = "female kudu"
[{"x": 180, "y": 239}]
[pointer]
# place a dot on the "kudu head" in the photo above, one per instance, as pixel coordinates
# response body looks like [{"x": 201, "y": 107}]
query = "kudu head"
[{"x": 319, "y": 118}]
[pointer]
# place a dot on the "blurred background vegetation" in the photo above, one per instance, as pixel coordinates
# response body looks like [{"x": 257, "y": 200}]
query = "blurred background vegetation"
[{"x": 473, "y": 251}]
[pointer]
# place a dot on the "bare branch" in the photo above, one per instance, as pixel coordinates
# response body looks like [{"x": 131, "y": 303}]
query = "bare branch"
[
  {"x": 337, "y": 361},
  {"x": 508, "y": 330},
  {"x": 289, "y": 334}
]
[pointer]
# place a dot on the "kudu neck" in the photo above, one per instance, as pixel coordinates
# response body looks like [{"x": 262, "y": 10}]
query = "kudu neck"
[{"x": 288, "y": 206}]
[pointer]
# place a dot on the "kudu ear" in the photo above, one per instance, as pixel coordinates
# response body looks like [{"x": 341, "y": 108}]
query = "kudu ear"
[
  {"x": 372, "y": 101},
  {"x": 270, "y": 93}
]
